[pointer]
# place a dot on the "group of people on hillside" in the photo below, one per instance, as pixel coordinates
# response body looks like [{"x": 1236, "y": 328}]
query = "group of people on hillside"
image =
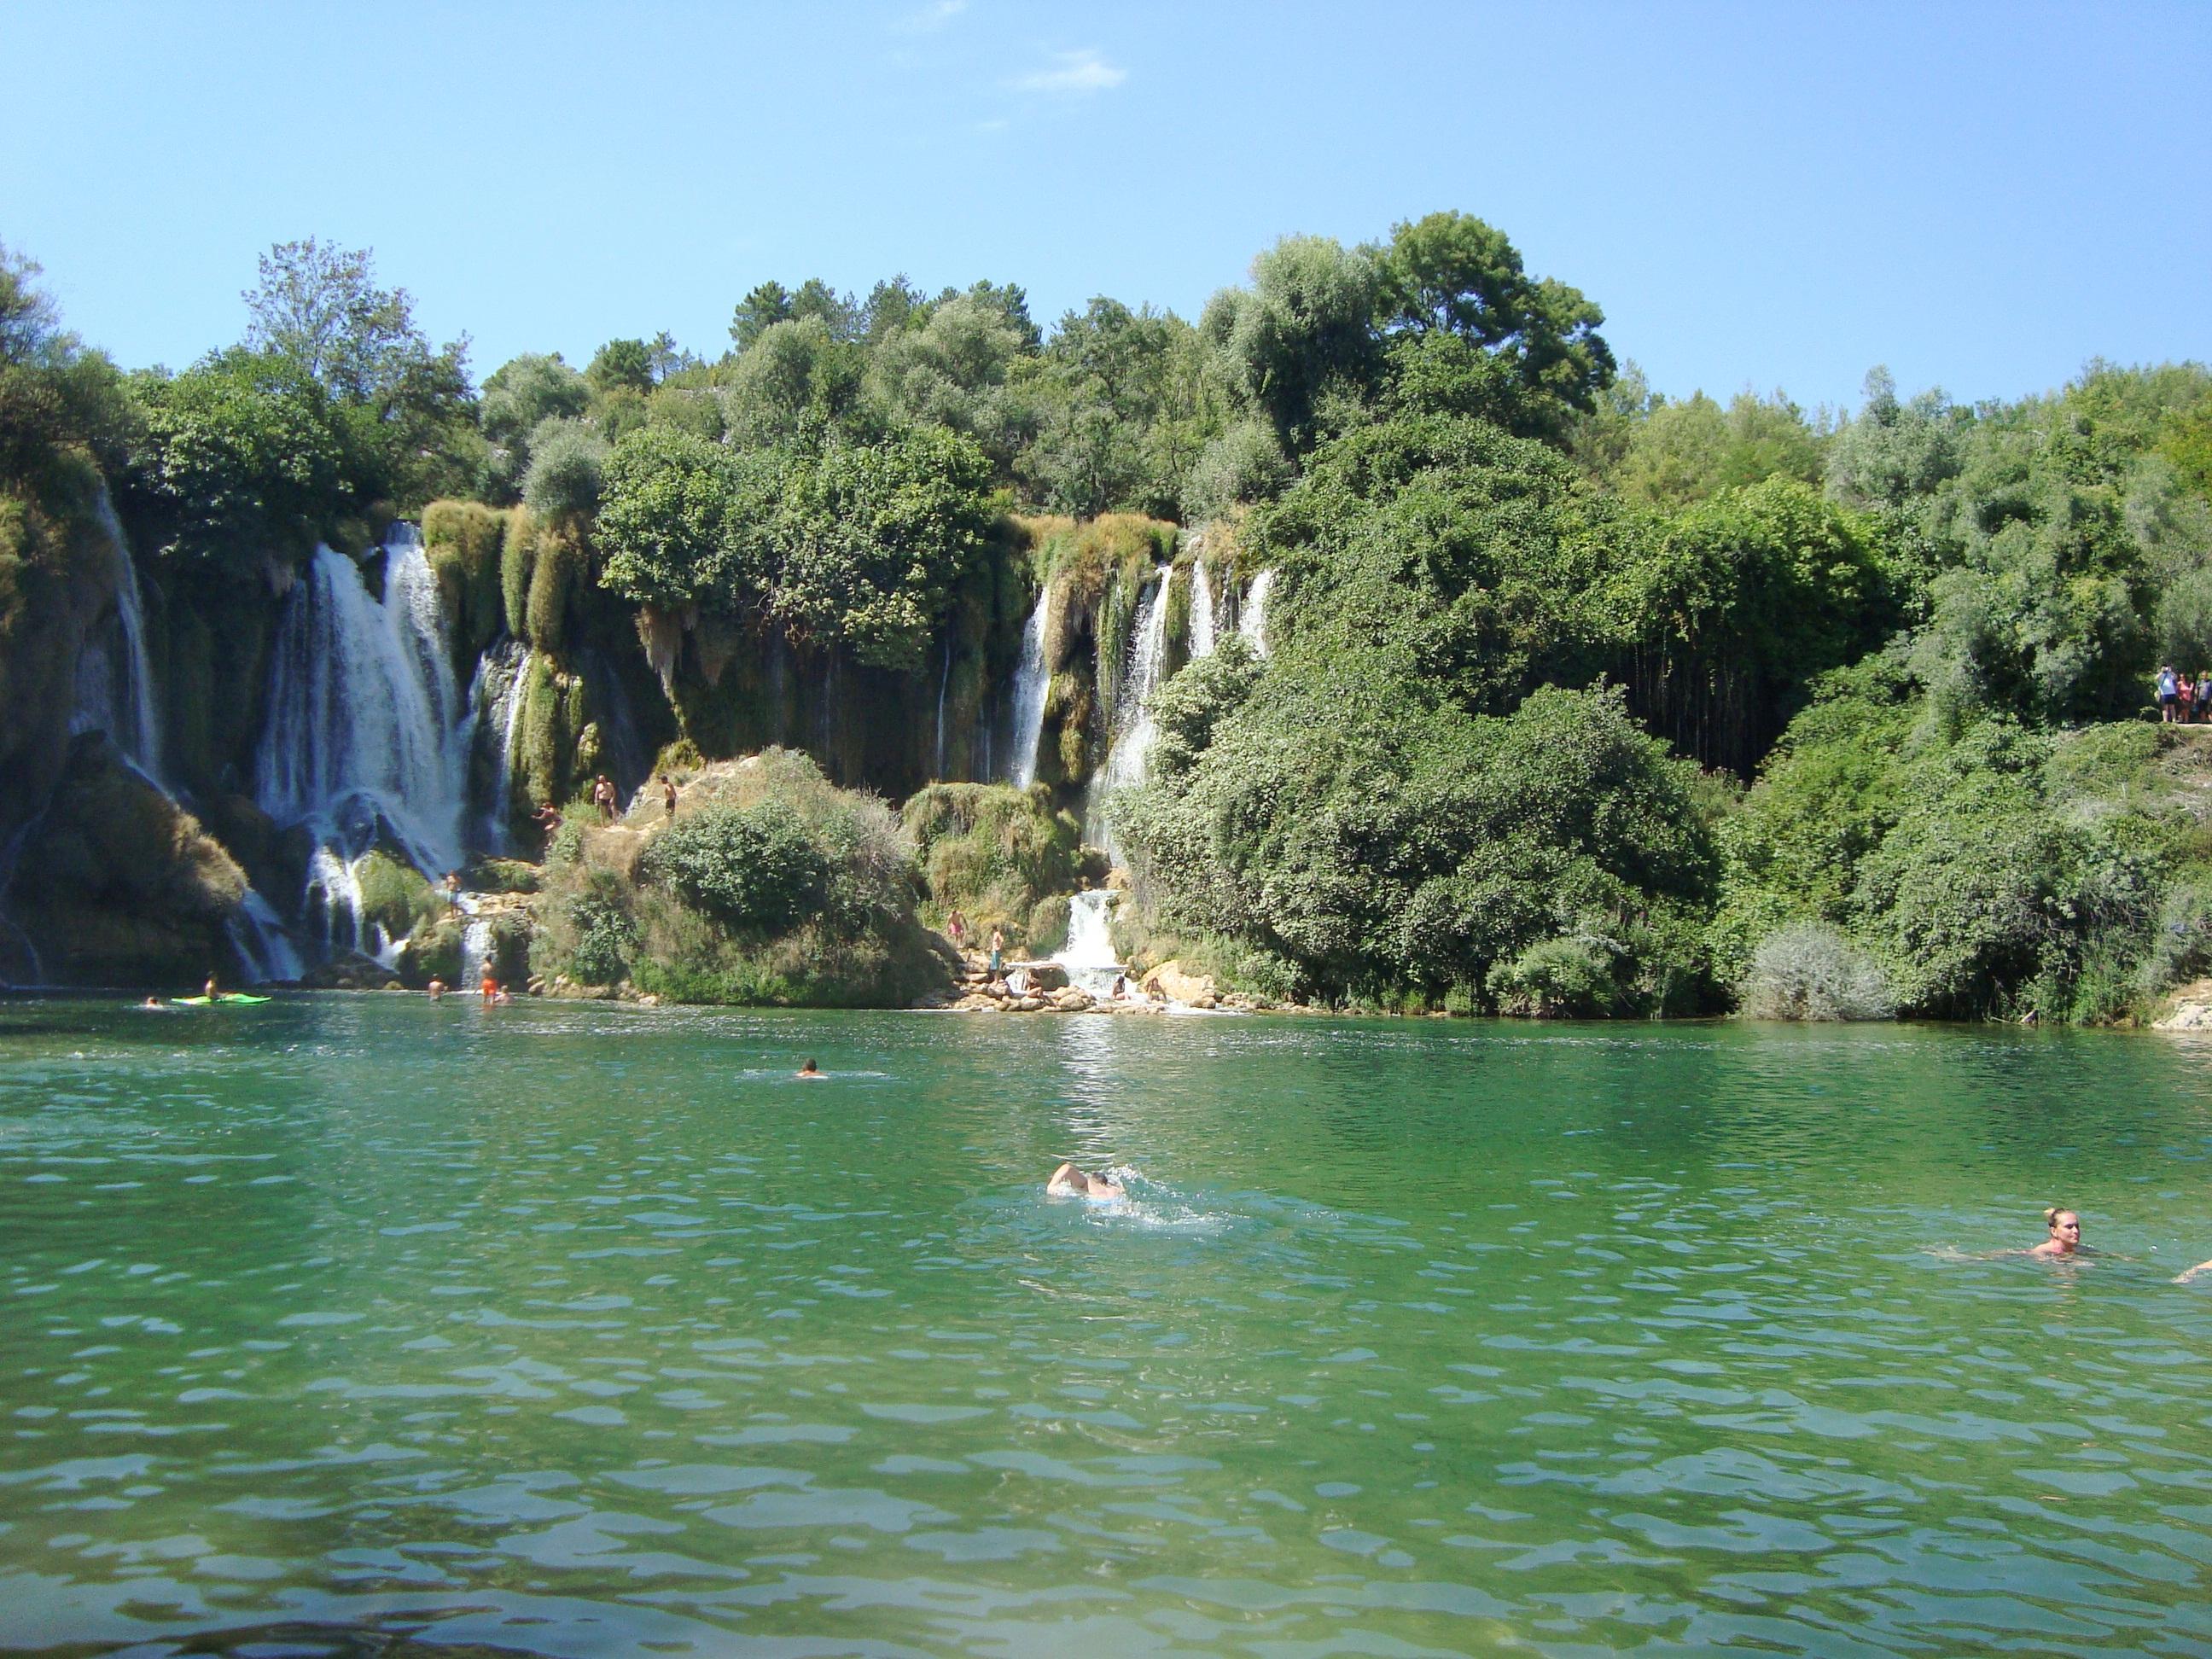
[
  {"x": 2182, "y": 700},
  {"x": 606, "y": 797}
]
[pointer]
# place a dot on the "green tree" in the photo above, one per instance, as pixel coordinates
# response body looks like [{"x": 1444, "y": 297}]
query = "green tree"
[
  {"x": 1301, "y": 333},
  {"x": 1474, "y": 333},
  {"x": 685, "y": 520},
  {"x": 870, "y": 540},
  {"x": 56, "y": 399},
  {"x": 765, "y": 306},
  {"x": 621, "y": 365},
  {"x": 242, "y": 455}
]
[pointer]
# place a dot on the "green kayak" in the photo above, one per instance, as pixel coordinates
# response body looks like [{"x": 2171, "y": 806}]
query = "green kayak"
[{"x": 227, "y": 996}]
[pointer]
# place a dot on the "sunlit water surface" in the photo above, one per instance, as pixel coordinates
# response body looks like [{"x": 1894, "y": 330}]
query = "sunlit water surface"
[{"x": 354, "y": 1324}]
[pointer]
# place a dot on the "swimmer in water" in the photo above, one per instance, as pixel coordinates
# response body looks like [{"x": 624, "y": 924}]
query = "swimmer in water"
[
  {"x": 2184, "y": 1277},
  {"x": 809, "y": 1072},
  {"x": 1068, "y": 1182},
  {"x": 436, "y": 987},
  {"x": 2065, "y": 1229},
  {"x": 151, "y": 1002}
]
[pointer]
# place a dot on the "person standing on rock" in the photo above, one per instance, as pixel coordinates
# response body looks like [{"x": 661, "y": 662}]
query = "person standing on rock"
[
  {"x": 668, "y": 793},
  {"x": 998, "y": 950},
  {"x": 955, "y": 929},
  {"x": 603, "y": 795}
]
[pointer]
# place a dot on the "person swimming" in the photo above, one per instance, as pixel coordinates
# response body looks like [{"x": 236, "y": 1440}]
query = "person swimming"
[
  {"x": 2065, "y": 1229},
  {"x": 1068, "y": 1182},
  {"x": 436, "y": 987},
  {"x": 809, "y": 1072}
]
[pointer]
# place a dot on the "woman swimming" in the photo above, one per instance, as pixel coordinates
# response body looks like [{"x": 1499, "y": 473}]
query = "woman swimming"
[{"x": 2065, "y": 1229}]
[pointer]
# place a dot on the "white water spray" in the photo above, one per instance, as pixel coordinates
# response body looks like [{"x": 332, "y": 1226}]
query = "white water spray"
[
  {"x": 1088, "y": 956},
  {"x": 1030, "y": 685},
  {"x": 1253, "y": 623},
  {"x": 366, "y": 737},
  {"x": 365, "y": 727},
  {"x": 502, "y": 678},
  {"x": 476, "y": 952},
  {"x": 1202, "y": 619},
  {"x": 1133, "y": 727},
  {"x": 115, "y": 686}
]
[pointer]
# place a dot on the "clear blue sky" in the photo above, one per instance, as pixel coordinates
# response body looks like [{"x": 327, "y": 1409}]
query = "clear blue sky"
[{"x": 1982, "y": 197}]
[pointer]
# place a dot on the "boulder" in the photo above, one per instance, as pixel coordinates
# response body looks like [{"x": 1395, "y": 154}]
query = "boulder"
[
  {"x": 1072, "y": 1000},
  {"x": 1170, "y": 981},
  {"x": 1042, "y": 976},
  {"x": 2188, "y": 1008}
]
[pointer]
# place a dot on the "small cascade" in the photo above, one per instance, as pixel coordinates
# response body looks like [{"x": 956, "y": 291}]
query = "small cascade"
[
  {"x": 497, "y": 694},
  {"x": 476, "y": 952},
  {"x": 1030, "y": 685},
  {"x": 256, "y": 933},
  {"x": 1203, "y": 619},
  {"x": 1133, "y": 730},
  {"x": 1088, "y": 954},
  {"x": 627, "y": 762},
  {"x": 1253, "y": 623},
  {"x": 366, "y": 737},
  {"x": 944, "y": 685},
  {"x": 115, "y": 686}
]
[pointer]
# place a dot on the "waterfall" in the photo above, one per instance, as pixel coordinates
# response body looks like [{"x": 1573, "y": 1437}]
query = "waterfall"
[
  {"x": 115, "y": 691},
  {"x": 1088, "y": 954},
  {"x": 476, "y": 952},
  {"x": 943, "y": 684},
  {"x": 364, "y": 727},
  {"x": 1030, "y": 684},
  {"x": 257, "y": 934},
  {"x": 497, "y": 693},
  {"x": 626, "y": 763},
  {"x": 366, "y": 737},
  {"x": 1201, "y": 610},
  {"x": 1252, "y": 624},
  {"x": 1133, "y": 729}
]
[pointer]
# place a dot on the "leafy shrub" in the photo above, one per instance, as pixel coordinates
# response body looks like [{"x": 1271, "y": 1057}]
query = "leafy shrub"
[
  {"x": 753, "y": 868},
  {"x": 567, "y": 460},
  {"x": 605, "y": 937},
  {"x": 992, "y": 852},
  {"x": 1555, "y": 979},
  {"x": 1811, "y": 971}
]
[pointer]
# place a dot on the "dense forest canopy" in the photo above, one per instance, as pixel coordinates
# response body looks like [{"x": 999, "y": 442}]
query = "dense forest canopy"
[{"x": 1581, "y": 697}]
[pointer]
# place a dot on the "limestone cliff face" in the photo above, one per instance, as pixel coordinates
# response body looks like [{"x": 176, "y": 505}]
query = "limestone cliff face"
[
  {"x": 57, "y": 577},
  {"x": 117, "y": 884}
]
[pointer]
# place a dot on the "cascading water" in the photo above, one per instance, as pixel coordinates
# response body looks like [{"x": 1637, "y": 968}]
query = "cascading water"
[
  {"x": 1202, "y": 618},
  {"x": 476, "y": 952},
  {"x": 502, "y": 678},
  {"x": 256, "y": 933},
  {"x": 115, "y": 695},
  {"x": 1252, "y": 624},
  {"x": 944, "y": 685},
  {"x": 367, "y": 738},
  {"x": 115, "y": 688},
  {"x": 1088, "y": 954},
  {"x": 1134, "y": 728},
  {"x": 1030, "y": 684}
]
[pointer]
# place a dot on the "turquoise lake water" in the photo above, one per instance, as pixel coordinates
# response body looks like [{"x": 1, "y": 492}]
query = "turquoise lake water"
[{"x": 353, "y": 1324}]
